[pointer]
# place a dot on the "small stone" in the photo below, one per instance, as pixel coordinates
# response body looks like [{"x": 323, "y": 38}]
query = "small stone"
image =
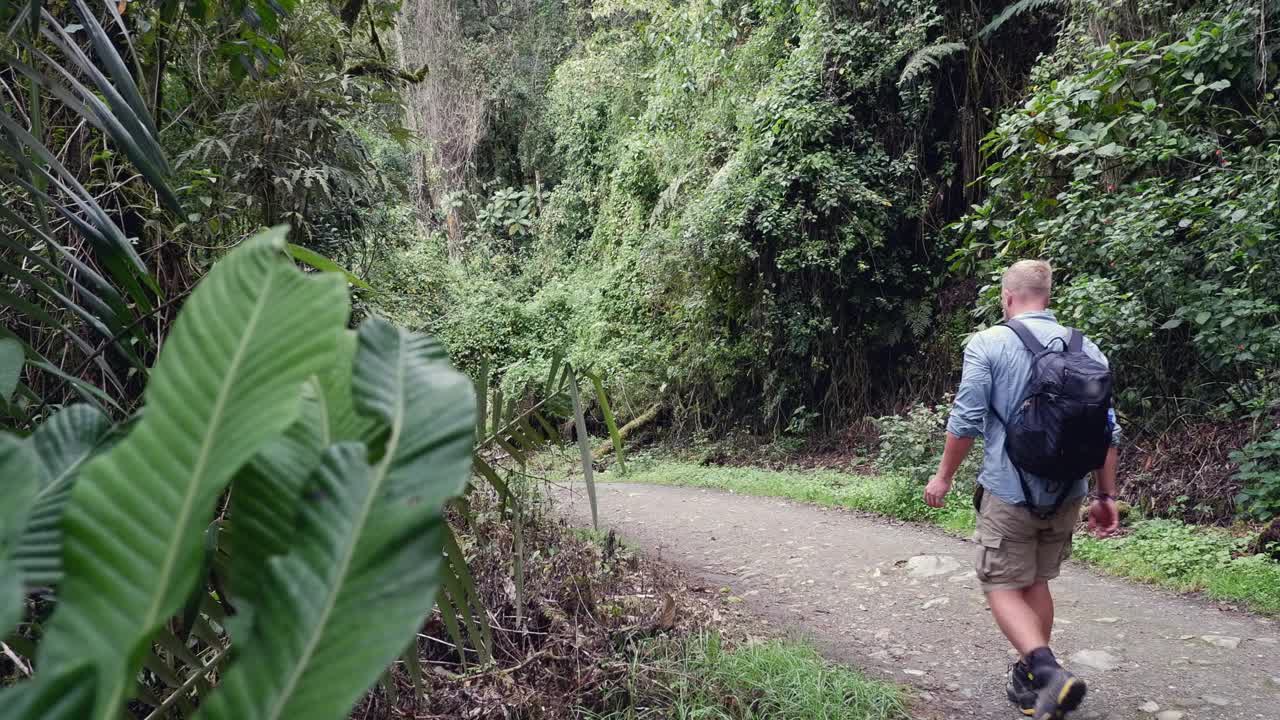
[
  {"x": 1107, "y": 620},
  {"x": 1274, "y": 682},
  {"x": 1149, "y": 707},
  {"x": 926, "y": 696},
  {"x": 962, "y": 577},
  {"x": 1267, "y": 641},
  {"x": 1216, "y": 700},
  {"x": 953, "y": 687},
  {"x": 1222, "y": 641},
  {"x": 1170, "y": 715},
  {"x": 935, "y": 603},
  {"x": 1099, "y": 660},
  {"x": 926, "y": 566},
  {"x": 1187, "y": 637},
  {"x": 914, "y": 673}
]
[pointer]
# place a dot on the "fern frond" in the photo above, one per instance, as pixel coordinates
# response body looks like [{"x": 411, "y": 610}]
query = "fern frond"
[
  {"x": 1021, "y": 7},
  {"x": 930, "y": 56}
]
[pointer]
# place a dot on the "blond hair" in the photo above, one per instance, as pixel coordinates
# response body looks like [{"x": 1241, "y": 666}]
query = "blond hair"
[{"x": 1028, "y": 278}]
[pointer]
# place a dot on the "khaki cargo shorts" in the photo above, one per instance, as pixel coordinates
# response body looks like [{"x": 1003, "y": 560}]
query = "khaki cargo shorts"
[{"x": 1017, "y": 549}]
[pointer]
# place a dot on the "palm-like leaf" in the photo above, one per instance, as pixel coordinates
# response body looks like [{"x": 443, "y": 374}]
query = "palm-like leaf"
[
  {"x": 102, "y": 91},
  {"x": 227, "y": 381},
  {"x": 1021, "y": 7},
  {"x": 12, "y": 357},
  {"x": 927, "y": 58},
  {"x": 363, "y": 569},
  {"x": 62, "y": 444}
]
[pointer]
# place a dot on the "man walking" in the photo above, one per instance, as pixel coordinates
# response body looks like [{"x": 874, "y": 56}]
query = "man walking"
[{"x": 1039, "y": 394}]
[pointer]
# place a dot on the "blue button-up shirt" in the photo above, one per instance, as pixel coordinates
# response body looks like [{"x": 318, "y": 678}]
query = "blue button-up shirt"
[{"x": 997, "y": 369}]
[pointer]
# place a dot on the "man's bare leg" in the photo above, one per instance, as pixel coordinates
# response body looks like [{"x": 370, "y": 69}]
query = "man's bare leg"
[
  {"x": 1018, "y": 620},
  {"x": 1041, "y": 602},
  {"x": 1025, "y": 617}
]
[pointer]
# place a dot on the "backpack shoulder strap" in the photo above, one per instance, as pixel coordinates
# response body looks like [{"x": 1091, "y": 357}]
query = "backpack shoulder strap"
[
  {"x": 1076, "y": 343},
  {"x": 1024, "y": 334}
]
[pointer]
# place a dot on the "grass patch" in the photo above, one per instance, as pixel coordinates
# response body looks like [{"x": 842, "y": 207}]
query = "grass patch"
[
  {"x": 1168, "y": 553},
  {"x": 1188, "y": 558},
  {"x": 702, "y": 678},
  {"x": 891, "y": 495}
]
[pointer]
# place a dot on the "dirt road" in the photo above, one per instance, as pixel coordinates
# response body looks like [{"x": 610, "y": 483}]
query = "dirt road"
[{"x": 900, "y": 601}]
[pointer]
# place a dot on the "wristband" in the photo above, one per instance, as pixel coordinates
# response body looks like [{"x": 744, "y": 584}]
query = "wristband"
[{"x": 1104, "y": 496}]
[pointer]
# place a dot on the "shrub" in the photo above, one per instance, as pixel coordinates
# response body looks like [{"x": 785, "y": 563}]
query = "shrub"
[
  {"x": 1259, "y": 473},
  {"x": 911, "y": 445}
]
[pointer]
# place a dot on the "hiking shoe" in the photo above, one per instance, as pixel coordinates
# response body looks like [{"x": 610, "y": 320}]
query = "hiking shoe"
[
  {"x": 1060, "y": 693},
  {"x": 1021, "y": 688}
]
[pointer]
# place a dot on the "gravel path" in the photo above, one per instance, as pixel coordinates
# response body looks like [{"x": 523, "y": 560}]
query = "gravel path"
[{"x": 900, "y": 601}]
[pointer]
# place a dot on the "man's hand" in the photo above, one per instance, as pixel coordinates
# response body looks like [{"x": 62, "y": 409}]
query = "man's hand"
[
  {"x": 935, "y": 493},
  {"x": 1104, "y": 518}
]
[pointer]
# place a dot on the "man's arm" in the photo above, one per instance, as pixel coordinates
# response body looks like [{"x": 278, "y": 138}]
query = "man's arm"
[
  {"x": 1104, "y": 517},
  {"x": 968, "y": 415},
  {"x": 953, "y": 454},
  {"x": 1104, "y": 478}
]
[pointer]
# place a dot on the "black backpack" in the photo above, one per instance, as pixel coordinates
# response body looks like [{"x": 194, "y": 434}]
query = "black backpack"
[{"x": 1060, "y": 430}]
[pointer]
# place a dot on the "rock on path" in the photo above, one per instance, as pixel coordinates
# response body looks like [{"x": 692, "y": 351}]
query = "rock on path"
[{"x": 900, "y": 601}]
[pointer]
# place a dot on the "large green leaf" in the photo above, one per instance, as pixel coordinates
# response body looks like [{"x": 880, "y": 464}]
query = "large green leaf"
[
  {"x": 264, "y": 504},
  {"x": 62, "y": 443},
  {"x": 20, "y": 478},
  {"x": 364, "y": 567},
  {"x": 404, "y": 380},
  {"x": 342, "y": 420},
  {"x": 227, "y": 380}
]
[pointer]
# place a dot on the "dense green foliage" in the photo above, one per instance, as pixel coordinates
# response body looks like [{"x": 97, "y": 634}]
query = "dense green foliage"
[
  {"x": 342, "y": 451},
  {"x": 1146, "y": 171},
  {"x": 141, "y": 142},
  {"x": 739, "y": 209},
  {"x": 776, "y": 214}
]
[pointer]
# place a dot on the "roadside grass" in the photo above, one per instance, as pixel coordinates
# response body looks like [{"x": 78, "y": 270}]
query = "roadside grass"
[
  {"x": 889, "y": 495},
  {"x": 1188, "y": 558},
  {"x": 1168, "y": 553},
  {"x": 702, "y": 678}
]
